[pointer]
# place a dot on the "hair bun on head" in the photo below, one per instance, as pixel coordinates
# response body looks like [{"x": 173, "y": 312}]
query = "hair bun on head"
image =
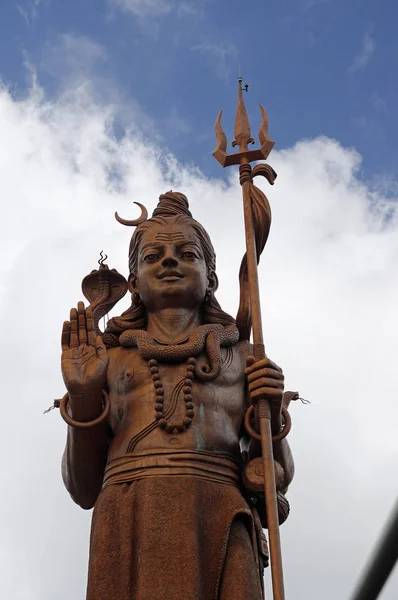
[{"x": 172, "y": 204}]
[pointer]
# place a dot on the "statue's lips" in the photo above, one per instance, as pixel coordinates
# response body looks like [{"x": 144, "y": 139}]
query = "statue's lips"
[{"x": 171, "y": 276}]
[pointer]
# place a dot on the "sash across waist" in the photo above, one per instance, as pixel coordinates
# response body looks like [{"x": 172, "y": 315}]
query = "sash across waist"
[{"x": 214, "y": 466}]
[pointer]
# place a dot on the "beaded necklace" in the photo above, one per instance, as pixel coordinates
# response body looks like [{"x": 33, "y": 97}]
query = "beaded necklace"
[{"x": 163, "y": 423}]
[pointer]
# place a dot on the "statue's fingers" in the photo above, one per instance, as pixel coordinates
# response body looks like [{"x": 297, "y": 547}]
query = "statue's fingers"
[
  {"x": 250, "y": 360},
  {"x": 265, "y": 382},
  {"x": 65, "y": 336},
  {"x": 257, "y": 364},
  {"x": 271, "y": 394},
  {"x": 81, "y": 319},
  {"x": 74, "y": 337},
  {"x": 273, "y": 365},
  {"x": 271, "y": 373},
  {"x": 262, "y": 364},
  {"x": 90, "y": 327}
]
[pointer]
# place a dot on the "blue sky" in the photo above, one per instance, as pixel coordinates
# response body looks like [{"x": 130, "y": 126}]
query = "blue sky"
[{"x": 320, "y": 67}]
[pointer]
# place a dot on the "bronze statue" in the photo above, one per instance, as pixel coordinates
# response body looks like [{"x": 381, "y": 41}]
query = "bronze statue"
[{"x": 156, "y": 408}]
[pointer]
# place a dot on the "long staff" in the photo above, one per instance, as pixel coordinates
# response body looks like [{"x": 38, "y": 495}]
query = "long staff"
[{"x": 253, "y": 202}]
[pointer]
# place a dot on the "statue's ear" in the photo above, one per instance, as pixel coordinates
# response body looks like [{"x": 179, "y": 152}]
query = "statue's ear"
[
  {"x": 213, "y": 281},
  {"x": 132, "y": 282}
]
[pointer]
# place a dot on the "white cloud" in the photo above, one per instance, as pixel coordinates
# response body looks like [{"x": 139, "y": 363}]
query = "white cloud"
[
  {"x": 175, "y": 124},
  {"x": 329, "y": 292},
  {"x": 152, "y": 9},
  {"x": 362, "y": 59},
  {"x": 191, "y": 8},
  {"x": 145, "y": 8},
  {"x": 29, "y": 10},
  {"x": 310, "y": 4},
  {"x": 379, "y": 104},
  {"x": 220, "y": 57},
  {"x": 78, "y": 67},
  {"x": 72, "y": 59}
]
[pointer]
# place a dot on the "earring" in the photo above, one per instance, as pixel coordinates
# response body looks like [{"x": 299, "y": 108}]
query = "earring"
[
  {"x": 136, "y": 298},
  {"x": 208, "y": 296}
]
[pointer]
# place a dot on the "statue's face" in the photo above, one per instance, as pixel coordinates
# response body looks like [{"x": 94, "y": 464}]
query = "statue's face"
[{"x": 171, "y": 270}]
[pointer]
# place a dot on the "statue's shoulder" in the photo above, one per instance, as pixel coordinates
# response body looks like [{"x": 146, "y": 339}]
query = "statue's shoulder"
[{"x": 119, "y": 355}]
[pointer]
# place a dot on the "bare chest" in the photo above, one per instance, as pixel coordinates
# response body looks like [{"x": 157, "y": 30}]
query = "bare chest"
[{"x": 133, "y": 389}]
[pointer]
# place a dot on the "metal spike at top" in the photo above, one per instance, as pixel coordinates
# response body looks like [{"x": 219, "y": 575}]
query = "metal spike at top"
[
  {"x": 242, "y": 126},
  {"x": 242, "y": 136}
]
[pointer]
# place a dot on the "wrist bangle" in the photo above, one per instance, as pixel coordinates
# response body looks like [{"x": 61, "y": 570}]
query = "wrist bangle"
[
  {"x": 275, "y": 438},
  {"x": 63, "y": 408}
]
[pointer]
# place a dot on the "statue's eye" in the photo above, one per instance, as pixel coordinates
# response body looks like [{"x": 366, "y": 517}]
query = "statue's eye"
[
  {"x": 189, "y": 254},
  {"x": 151, "y": 257}
]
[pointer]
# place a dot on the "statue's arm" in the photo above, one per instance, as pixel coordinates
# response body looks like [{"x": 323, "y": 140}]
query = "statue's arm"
[
  {"x": 85, "y": 455},
  {"x": 84, "y": 369},
  {"x": 266, "y": 378}
]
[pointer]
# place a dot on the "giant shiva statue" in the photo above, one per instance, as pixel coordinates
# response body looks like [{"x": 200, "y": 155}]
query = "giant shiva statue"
[{"x": 155, "y": 406}]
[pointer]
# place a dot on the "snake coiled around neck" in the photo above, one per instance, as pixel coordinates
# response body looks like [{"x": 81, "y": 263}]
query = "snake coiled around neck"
[{"x": 211, "y": 338}]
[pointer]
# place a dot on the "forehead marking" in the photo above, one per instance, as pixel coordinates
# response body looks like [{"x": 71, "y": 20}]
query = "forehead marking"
[{"x": 169, "y": 237}]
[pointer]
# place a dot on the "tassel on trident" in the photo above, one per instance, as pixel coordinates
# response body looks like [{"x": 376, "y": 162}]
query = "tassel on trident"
[{"x": 257, "y": 217}]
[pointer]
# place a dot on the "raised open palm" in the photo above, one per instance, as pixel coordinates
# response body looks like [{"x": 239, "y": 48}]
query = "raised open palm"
[{"x": 84, "y": 358}]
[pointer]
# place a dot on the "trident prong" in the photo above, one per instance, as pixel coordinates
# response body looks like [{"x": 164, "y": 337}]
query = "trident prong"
[{"x": 242, "y": 136}]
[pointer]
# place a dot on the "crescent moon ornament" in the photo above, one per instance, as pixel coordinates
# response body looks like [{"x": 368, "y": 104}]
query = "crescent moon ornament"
[{"x": 131, "y": 223}]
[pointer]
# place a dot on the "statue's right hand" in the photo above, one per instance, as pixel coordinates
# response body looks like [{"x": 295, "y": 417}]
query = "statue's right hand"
[{"x": 84, "y": 358}]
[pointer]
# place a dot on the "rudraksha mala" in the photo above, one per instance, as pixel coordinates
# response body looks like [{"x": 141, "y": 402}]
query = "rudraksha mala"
[{"x": 163, "y": 423}]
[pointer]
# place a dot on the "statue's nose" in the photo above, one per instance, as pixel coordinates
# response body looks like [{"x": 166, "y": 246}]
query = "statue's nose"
[{"x": 169, "y": 260}]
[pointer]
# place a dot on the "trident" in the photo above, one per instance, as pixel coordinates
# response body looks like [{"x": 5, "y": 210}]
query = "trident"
[{"x": 257, "y": 218}]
